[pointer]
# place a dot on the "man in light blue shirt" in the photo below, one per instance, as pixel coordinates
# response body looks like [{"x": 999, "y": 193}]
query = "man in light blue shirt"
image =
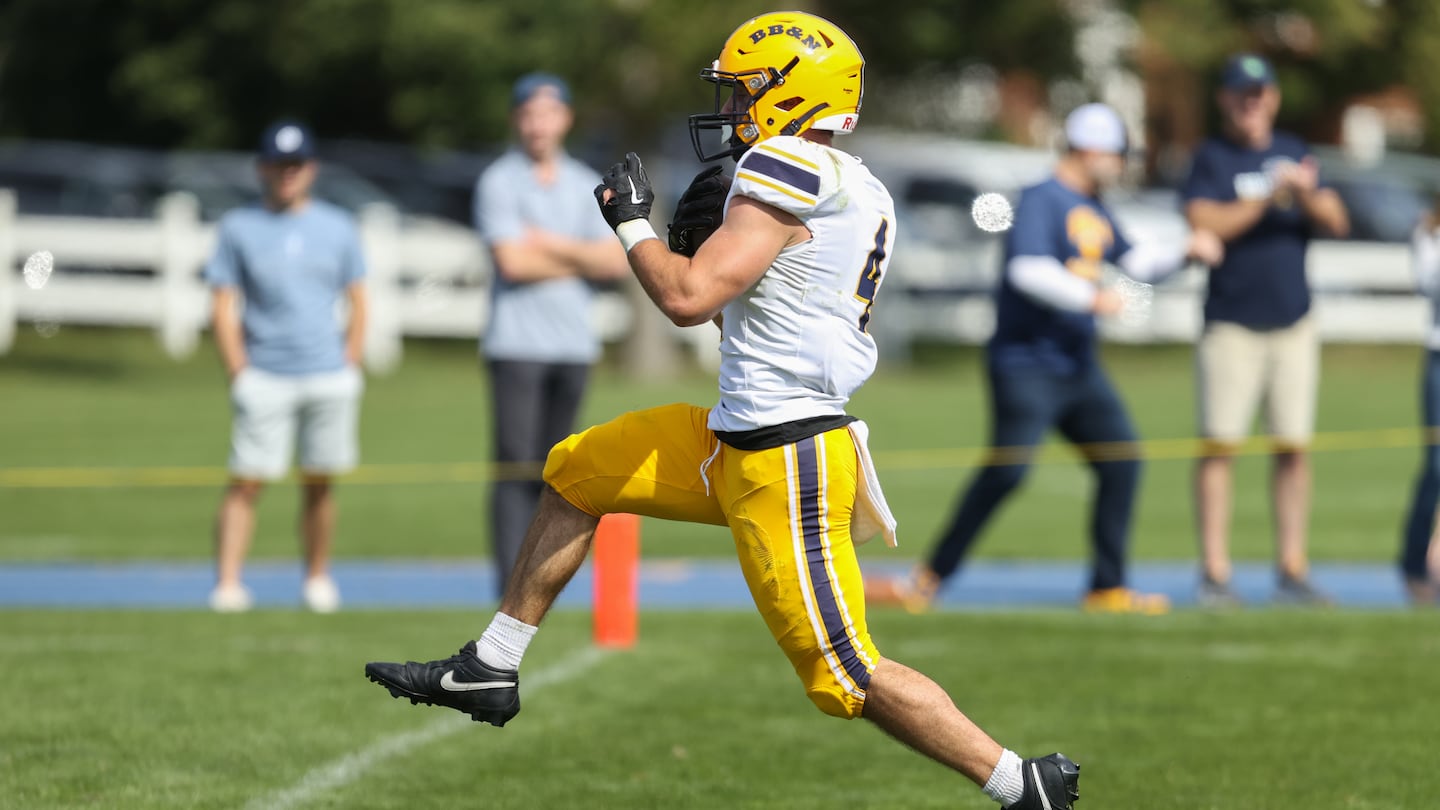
[
  {"x": 278, "y": 272},
  {"x": 535, "y": 210}
]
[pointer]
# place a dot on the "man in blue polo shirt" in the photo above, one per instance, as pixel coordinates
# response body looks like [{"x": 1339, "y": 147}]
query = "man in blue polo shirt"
[
  {"x": 1259, "y": 190},
  {"x": 279, "y": 269},
  {"x": 1044, "y": 368},
  {"x": 535, "y": 211}
]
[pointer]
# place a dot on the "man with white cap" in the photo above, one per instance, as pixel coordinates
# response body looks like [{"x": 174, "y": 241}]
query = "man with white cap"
[{"x": 1043, "y": 367}]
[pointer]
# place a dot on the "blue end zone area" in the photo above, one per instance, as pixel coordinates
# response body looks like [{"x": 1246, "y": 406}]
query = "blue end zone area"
[{"x": 685, "y": 584}]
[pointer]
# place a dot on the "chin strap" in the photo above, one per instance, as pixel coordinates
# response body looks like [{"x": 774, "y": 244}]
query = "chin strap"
[{"x": 794, "y": 127}]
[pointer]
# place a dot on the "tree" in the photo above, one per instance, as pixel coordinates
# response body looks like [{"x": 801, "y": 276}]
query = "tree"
[
  {"x": 436, "y": 72},
  {"x": 1325, "y": 51},
  {"x": 175, "y": 73}
]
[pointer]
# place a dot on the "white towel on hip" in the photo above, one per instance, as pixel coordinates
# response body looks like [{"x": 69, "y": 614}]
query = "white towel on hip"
[{"x": 872, "y": 514}]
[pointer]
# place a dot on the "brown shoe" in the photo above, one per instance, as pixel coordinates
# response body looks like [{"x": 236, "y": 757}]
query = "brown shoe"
[
  {"x": 915, "y": 593},
  {"x": 1125, "y": 600}
]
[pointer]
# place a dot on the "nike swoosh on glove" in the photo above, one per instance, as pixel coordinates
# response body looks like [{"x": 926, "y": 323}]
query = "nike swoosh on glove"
[{"x": 632, "y": 195}]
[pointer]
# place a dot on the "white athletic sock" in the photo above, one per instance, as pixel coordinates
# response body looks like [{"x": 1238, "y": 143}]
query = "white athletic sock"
[
  {"x": 1007, "y": 783},
  {"x": 503, "y": 643}
]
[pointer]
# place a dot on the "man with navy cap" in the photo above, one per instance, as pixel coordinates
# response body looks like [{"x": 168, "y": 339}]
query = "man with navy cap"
[
  {"x": 278, "y": 271},
  {"x": 1260, "y": 191},
  {"x": 535, "y": 211},
  {"x": 1044, "y": 368}
]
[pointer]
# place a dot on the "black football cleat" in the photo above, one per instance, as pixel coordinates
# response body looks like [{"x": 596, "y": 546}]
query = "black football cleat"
[
  {"x": 1051, "y": 783},
  {"x": 462, "y": 682}
]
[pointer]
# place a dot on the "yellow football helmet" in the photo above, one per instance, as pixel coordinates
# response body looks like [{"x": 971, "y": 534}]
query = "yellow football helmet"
[{"x": 787, "y": 71}]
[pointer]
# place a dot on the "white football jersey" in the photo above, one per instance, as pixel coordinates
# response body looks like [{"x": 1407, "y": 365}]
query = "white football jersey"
[{"x": 796, "y": 345}]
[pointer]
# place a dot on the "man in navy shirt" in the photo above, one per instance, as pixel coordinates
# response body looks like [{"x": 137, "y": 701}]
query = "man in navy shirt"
[
  {"x": 1259, "y": 190},
  {"x": 1043, "y": 365}
]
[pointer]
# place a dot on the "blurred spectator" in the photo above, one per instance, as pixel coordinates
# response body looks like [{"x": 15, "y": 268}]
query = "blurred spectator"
[
  {"x": 1043, "y": 367},
  {"x": 535, "y": 210},
  {"x": 1421, "y": 572},
  {"x": 1259, "y": 190},
  {"x": 278, "y": 270}
]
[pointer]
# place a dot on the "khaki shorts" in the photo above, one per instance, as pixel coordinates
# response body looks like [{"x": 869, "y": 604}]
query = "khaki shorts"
[
  {"x": 273, "y": 410},
  {"x": 1238, "y": 367}
]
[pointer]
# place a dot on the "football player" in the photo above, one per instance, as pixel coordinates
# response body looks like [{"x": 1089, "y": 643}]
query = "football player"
[{"x": 791, "y": 272}]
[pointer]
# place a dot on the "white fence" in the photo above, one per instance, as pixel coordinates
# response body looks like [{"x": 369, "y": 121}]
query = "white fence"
[
  {"x": 434, "y": 281},
  {"x": 1364, "y": 292},
  {"x": 424, "y": 279}
]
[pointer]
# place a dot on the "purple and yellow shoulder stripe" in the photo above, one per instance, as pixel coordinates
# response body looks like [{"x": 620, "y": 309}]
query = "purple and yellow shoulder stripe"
[{"x": 782, "y": 171}]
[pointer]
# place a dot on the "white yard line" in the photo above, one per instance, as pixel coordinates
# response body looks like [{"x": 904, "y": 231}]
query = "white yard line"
[{"x": 325, "y": 778}]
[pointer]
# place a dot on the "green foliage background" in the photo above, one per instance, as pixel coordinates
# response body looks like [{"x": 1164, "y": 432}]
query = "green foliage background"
[
  {"x": 436, "y": 72},
  {"x": 1360, "y": 47}
]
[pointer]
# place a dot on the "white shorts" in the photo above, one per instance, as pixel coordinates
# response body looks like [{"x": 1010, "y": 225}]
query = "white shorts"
[
  {"x": 271, "y": 409},
  {"x": 1238, "y": 367}
]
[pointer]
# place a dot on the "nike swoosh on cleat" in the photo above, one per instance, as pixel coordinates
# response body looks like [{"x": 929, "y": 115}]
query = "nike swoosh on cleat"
[
  {"x": 1034, "y": 774},
  {"x": 449, "y": 684},
  {"x": 634, "y": 196}
]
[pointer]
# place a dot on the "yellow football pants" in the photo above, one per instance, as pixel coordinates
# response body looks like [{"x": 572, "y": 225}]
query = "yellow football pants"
[{"x": 788, "y": 509}]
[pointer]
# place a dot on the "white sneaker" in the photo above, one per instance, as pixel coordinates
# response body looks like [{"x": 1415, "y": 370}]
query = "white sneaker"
[
  {"x": 230, "y": 599},
  {"x": 321, "y": 595}
]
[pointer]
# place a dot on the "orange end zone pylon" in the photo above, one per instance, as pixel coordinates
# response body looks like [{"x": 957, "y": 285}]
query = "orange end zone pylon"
[{"x": 616, "y": 562}]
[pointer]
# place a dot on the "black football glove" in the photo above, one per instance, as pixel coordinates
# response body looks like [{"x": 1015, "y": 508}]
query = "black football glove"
[
  {"x": 700, "y": 211},
  {"x": 633, "y": 195}
]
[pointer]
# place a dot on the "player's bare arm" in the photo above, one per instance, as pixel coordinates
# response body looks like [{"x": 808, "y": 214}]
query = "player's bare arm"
[{"x": 693, "y": 291}]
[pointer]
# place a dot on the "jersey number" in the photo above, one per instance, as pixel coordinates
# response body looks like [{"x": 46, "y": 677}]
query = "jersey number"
[{"x": 870, "y": 276}]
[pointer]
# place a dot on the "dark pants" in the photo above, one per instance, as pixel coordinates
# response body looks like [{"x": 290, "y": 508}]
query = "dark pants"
[
  {"x": 1084, "y": 407},
  {"x": 1421, "y": 524},
  {"x": 534, "y": 407}
]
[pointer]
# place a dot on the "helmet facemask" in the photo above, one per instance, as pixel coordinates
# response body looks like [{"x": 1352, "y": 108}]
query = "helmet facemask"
[{"x": 733, "y": 118}]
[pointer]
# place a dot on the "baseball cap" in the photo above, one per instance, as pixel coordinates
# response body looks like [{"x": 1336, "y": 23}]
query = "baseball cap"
[
  {"x": 531, "y": 83},
  {"x": 1096, "y": 128},
  {"x": 287, "y": 140},
  {"x": 1244, "y": 71}
]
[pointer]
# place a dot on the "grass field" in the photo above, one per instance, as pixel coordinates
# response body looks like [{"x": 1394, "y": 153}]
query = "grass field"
[
  {"x": 1252, "y": 711},
  {"x": 109, "y": 399},
  {"x": 150, "y": 709}
]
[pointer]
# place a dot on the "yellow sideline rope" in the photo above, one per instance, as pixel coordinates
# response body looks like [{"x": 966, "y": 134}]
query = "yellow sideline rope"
[{"x": 892, "y": 460}]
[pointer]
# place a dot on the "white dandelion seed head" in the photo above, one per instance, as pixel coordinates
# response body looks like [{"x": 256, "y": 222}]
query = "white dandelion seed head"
[
  {"x": 992, "y": 212},
  {"x": 38, "y": 268}
]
